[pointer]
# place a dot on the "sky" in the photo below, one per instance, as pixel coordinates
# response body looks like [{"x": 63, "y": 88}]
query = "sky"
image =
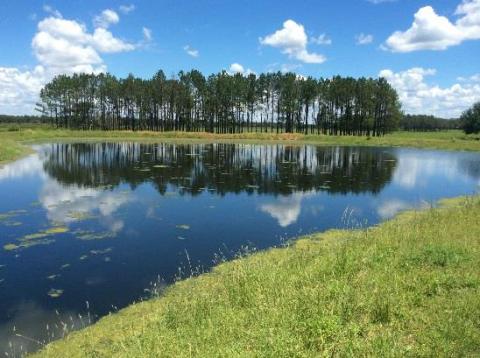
[{"x": 428, "y": 50}]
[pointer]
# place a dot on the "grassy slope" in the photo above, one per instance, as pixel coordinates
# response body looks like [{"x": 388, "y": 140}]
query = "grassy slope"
[
  {"x": 410, "y": 286},
  {"x": 11, "y": 146}
]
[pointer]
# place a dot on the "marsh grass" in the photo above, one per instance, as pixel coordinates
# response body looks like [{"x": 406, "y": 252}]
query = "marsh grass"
[{"x": 407, "y": 287}]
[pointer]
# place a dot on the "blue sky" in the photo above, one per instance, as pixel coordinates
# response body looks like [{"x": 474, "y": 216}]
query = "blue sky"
[{"x": 428, "y": 50}]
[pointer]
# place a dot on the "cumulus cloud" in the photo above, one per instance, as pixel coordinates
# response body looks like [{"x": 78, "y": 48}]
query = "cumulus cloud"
[
  {"x": 292, "y": 40},
  {"x": 126, "y": 9},
  {"x": 66, "y": 46},
  {"x": 61, "y": 46},
  {"x": 106, "y": 18},
  {"x": 363, "y": 39},
  {"x": 419, "y": 97},
  {"x": 19, "y": 89},
  {"x": 238, "y": 68},
  {"x": 430, "y": 31},
  {"x": 322, "y": 39},
  {"x": 190, "y": 51}
]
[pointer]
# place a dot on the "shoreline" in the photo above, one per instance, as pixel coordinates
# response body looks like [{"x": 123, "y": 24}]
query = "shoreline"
[
  {"x": 239, "y": 295},
  {"x": 14, "y": 144}
]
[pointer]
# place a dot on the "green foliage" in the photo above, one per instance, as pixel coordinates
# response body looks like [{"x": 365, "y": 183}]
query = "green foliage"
[
  {"x": 408, "y": 287},
  {"x": 222, "y": 103},
  {"x": 471, "y": 119},
  {"x": 425, "y": 123}
]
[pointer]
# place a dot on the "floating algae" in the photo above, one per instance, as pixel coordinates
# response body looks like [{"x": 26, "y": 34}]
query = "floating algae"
[
  {"x": 12, "y": 223},
  {"x": 87, "y": 236},
  {"x": 10, "y": 214},
  {"x": 10, "y": 247},
  {"x": 101, "y": 252},
  {"x": 160, "y": 166},
  {"x": 183, "y": 227},
  {"x": 27, "y": 244},
  {"x": 55, "y": 292},
  {"x": 80, "y": 215}
]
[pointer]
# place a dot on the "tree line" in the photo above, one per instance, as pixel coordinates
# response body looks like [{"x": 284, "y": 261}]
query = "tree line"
[
  {"x": 222, "y": 103},
  {"x": 428, "y": 123}
]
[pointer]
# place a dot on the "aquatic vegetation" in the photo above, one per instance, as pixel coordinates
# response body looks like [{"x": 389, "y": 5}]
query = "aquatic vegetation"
[
  {"x": 101, "y": 252},
  {"x": 12, "y": 213},
  {"x": 80, "y": 215},
  {"x": 10, "y": 247},
  {"x": 36, "y": 239},
  {"x": 96, "y": 236},
  {"x": 183, "y": 227},
  {"x": 27, "y": 244},
  {"x": 12, "y": 223},
  {"x": 55, "y": 292}
]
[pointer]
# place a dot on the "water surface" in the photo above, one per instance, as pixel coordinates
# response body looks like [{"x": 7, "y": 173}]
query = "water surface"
[{"x": 99, "y": 222}]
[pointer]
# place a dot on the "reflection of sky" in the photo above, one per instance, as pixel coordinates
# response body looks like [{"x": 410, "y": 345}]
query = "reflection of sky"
[
  {"x": 415, "y": 168},
  {"x": 285, "y": 209},
  {"x": 60, "y": 200},
  {"x": 152, "y": 224}
]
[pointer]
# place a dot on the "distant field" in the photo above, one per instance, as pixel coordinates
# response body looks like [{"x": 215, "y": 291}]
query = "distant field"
[
  {"x": 13, "y": 138},
  {"x": 409, "y": 287}
]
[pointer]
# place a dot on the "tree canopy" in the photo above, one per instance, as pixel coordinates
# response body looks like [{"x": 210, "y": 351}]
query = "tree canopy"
[
  {"x": 427, "y": 123},
  {"x": 222, "y": 103},
  {"x": 471, "y": 119}
]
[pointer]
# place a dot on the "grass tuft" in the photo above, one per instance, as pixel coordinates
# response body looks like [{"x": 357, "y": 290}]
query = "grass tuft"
[{"x": 406, "y": 287}]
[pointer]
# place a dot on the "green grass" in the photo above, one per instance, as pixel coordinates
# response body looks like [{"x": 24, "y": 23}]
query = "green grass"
[
  {"x": 408, "y": 287},
  {"x": 13, "y": 138}
]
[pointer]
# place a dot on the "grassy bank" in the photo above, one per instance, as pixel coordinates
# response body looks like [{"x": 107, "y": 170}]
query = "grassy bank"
[
  {"x": 13, "y": 138},
  {"x": 410, "y": 286}
]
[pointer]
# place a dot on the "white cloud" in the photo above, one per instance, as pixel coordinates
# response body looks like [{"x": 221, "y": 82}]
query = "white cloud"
[
  {"x": 147, "y": 34},
  {"x": 292, "y": 41},
  {"x": 419, "y": 97},
  {"x": 126, "y": 9},
  {"x": 104, "y": 41},
  {"x": 50, "y": 10},
  {"x": 363, "y": 39},
  {"x": 106, "y": 18},
  {"x": 472, "y": 78},
  {"x": 190, "y": 51},
  {"x": 19, "y": 89},
  {"x": 430, "y": 31},
  {"x": 61, "y": 46},
  {"x": 322, "y": 39},
  {"x": 238, "y": 68}
]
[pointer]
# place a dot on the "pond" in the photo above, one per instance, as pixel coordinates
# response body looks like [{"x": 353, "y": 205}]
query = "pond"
[{"x": 88, "y": 228}]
